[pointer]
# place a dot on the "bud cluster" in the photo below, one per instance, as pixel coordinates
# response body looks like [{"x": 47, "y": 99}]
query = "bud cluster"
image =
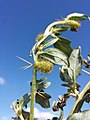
[
  {"x": 44, "y": 66},
  {"x": 73, "y": 24}
]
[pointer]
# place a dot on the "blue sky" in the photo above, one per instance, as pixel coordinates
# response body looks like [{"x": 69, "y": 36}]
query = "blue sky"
[{"x": 20, "y": 22}]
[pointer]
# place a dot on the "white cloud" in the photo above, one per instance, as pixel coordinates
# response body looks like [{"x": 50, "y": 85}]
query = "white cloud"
[
  {"x": 64, "y": 119},
  {"x": 5, "y": 118},
  {"x": 42, "y": 115},
  {"x": 2, "y": 81}
]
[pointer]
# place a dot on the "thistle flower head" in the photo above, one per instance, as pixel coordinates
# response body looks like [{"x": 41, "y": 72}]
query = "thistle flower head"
[
  {"x": 73, "y": 24},
  {"x": 43, "y": 66}
]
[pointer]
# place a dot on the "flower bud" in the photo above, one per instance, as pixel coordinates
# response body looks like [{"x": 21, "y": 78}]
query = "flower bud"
[
  {"x": 39, "y": 48},
  {"x": 43, "y": 66},
  {"x": 73, "y": 24},
  {"x": 19, "y": 112},
  {"x": 39, "y": 37}
]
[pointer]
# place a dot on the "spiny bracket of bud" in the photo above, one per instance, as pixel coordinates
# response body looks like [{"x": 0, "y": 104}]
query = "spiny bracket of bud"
[
  {"x": 25, "y": 67},
  {"x": 43, "y": 66}
]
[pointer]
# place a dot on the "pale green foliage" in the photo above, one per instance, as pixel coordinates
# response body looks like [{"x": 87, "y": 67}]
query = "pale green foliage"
[
  {"x": 52, "y": 48},
  {"x": 85, "y": 115}
]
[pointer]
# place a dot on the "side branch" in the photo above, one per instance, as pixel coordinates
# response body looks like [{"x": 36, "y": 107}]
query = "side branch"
[{"x": 80, "y": 97}]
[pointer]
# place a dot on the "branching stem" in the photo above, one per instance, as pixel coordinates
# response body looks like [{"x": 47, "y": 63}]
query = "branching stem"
[{"x": 80, "y": 97}]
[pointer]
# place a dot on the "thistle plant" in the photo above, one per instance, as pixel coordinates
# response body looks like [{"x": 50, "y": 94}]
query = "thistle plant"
[{"x": 49, "y": 50}]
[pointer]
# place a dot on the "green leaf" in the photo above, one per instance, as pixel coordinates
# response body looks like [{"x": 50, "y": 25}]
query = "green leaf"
[
  {"x": 63, "y": 45},
  {"x": 65, "y": 85},
  {"x": 44, "y": 85},
  {"x": 56, "y": 56},
  {"x": 75, "y": 63},
  {"x": 50, "y": 42},
  {"x": 41, "y": 80},
  {"x": 41, "y": 85},
  {"x": 64, "y": 75},
  {"x": 43, "y": 39},
  {"x": 42, "y": 98},
  {"x": 57, "y": 30},
  {"x": 50, "y": 58},
  {"x": 85, "y": 98},
  {"x": 33, "y": 51},
  {"x": 89, "y": 57},
  {"x": 25, "y": 100},
  {"x": 85, "y": 115},
  {"x": 77, "y": 16},
  {"x": 25, "y": 114},
  {"x": 37, "y": 44}
]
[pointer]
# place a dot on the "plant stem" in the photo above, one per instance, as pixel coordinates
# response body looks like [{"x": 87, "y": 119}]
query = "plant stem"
[
  {"x": 21, "y": 117},
  {"x": 61, "y": 114},
  {"x": 53, "y": 24},
  {"x": 33, "y": 92},
  {"x": 80, "y": 97}
]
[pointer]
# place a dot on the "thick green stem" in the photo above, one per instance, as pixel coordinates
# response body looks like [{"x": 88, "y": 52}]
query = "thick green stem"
[
  {"x": 80, "y": 97},
  {"x": 33, "y": 92}
]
